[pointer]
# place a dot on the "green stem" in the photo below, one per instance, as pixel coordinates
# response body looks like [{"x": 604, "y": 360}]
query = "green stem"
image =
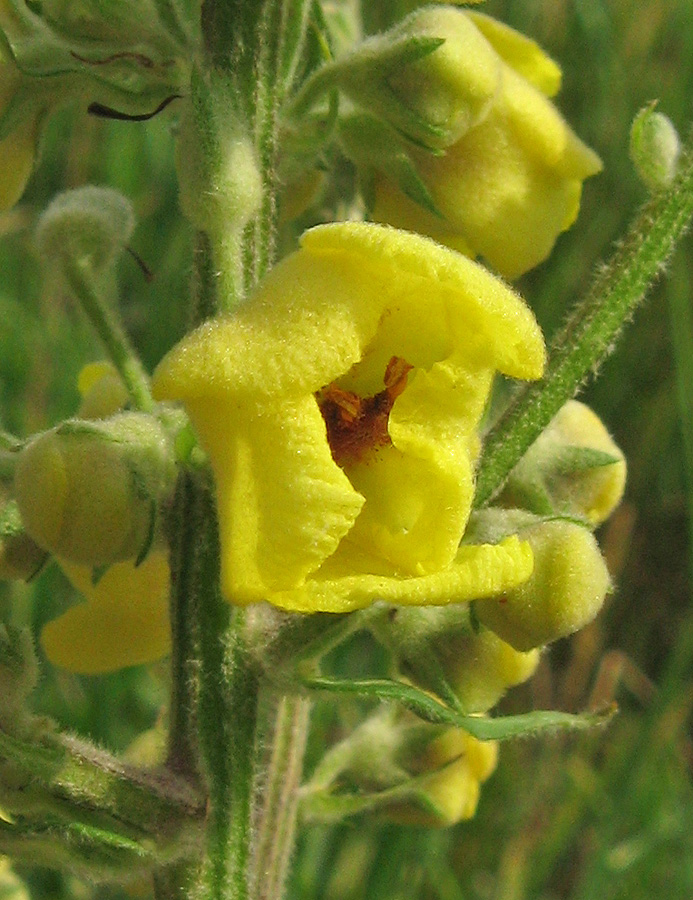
[
  {"x": 277, "y": 822},
  {"x": 228, "y": 699},
  {"x": 591, "y": 330},
  {"x": 182, "y": 750},
  {"x": 117, "y": 344}
]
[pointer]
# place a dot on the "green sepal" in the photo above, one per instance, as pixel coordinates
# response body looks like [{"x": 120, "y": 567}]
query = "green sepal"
[
  {"x": 373, "y": 144},
  {"x": 484, "y": 729}
]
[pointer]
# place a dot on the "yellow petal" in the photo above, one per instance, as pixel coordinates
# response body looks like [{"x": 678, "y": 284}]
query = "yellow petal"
[
  {"x": 283, "y": 503},
  {"x": 480, "y": 308},
  {"x": 347, "y": 581},
  {"x": 125, "y": 621},
  {"x": 521, "y": 53},
  {"x": 305, "y": 325}
]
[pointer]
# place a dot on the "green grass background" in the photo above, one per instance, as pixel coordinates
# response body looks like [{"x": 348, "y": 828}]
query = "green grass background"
[{"x": 601, "y": 816}]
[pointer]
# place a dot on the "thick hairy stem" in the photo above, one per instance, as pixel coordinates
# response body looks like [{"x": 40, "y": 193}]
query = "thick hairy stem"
[{"x": 278, "y": 812}]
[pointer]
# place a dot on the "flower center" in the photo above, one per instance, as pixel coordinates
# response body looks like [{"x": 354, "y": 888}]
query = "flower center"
[{"x": 356, "y": 425}]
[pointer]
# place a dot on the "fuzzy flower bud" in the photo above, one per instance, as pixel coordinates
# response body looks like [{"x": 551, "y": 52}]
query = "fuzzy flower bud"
[
  {"x": 565, "y": 591},
  {"x": 573, "y": 468},
  {"x": 89, "y": 492},
  {"x": 439, "y": 650},
  {"x": 90, "y": 224},
  {"x": 218, "y": 170},
  {"x": 654, "y": 147}
]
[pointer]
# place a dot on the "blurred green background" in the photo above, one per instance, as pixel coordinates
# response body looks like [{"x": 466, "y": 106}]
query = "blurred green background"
[{"x": 604, "y": 815}]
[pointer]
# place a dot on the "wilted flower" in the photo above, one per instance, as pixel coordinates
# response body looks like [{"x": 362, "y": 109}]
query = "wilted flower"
[{"x": 340, "y": 408}]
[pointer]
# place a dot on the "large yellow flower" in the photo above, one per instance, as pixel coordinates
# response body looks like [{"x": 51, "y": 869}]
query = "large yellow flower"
[
  {"x": 511, "y": 183},
  {"x": 340, "y": 407}
]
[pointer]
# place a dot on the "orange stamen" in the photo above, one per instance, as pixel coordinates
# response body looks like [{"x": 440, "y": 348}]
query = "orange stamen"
[{"x": 357, "y": 425}]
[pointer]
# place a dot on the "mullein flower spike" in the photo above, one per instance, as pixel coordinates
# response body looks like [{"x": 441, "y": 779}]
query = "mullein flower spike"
[
  {"x": 340, "y": 408},
  {"x": 507, "y": 174}
]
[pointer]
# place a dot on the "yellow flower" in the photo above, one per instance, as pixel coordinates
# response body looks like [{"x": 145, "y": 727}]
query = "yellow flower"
[
  {"x": 458, "y": 764},
  {"x": 339, "y": 408},
  {"x": 124, "y": 621},
  {"x": 511, "y": 183}
]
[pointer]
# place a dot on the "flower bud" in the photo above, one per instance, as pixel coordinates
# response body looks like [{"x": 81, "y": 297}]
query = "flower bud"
[
  {"x": 89, "y": 491},
  {"x": 20, "y": 556},
  {"x": 438, "y": 650},
  {"x": 573, "y": 468},
  {"x": 433, "y": 77},
  {"x": 90, "y": 224},
  {"x": 654, "y": 147},
  {"x": 565, "y": 591}
]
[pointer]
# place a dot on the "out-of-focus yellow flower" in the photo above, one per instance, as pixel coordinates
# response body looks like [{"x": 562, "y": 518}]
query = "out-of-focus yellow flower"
[
  {"x": 339, "y": 408},
  {"x": 457, "y": 764},
  {"x": 512, "y": 181},
  {"x": 18, "y": 148},
  {"x": 124, "y": 621},
  {"x": 101, "y": 389}
]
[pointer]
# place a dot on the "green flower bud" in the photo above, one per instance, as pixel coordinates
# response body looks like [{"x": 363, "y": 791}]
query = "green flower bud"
[
  {"x": 89, "y": 491},
  {"x": 433, "y": 77},
  {"x": 89, "y": 224},
  {"x": 565, "y": 591},
  {"x": 654, "y": 147},
  {"x": 573, "y": 468},
  {"x": 438, "y": 650}
]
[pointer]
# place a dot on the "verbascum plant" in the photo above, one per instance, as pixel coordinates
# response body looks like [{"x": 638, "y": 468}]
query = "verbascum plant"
[{"x": 340, "y": 409}]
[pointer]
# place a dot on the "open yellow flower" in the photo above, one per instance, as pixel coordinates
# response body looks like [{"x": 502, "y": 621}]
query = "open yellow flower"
[
  {"x": 339, "y": 408},
  {"x": 512, "y": 181}
]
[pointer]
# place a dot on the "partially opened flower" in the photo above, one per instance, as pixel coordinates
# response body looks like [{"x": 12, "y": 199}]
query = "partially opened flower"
[
  {"x": 340, "y": 409},
  {"x": 511, "y": 182}
]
